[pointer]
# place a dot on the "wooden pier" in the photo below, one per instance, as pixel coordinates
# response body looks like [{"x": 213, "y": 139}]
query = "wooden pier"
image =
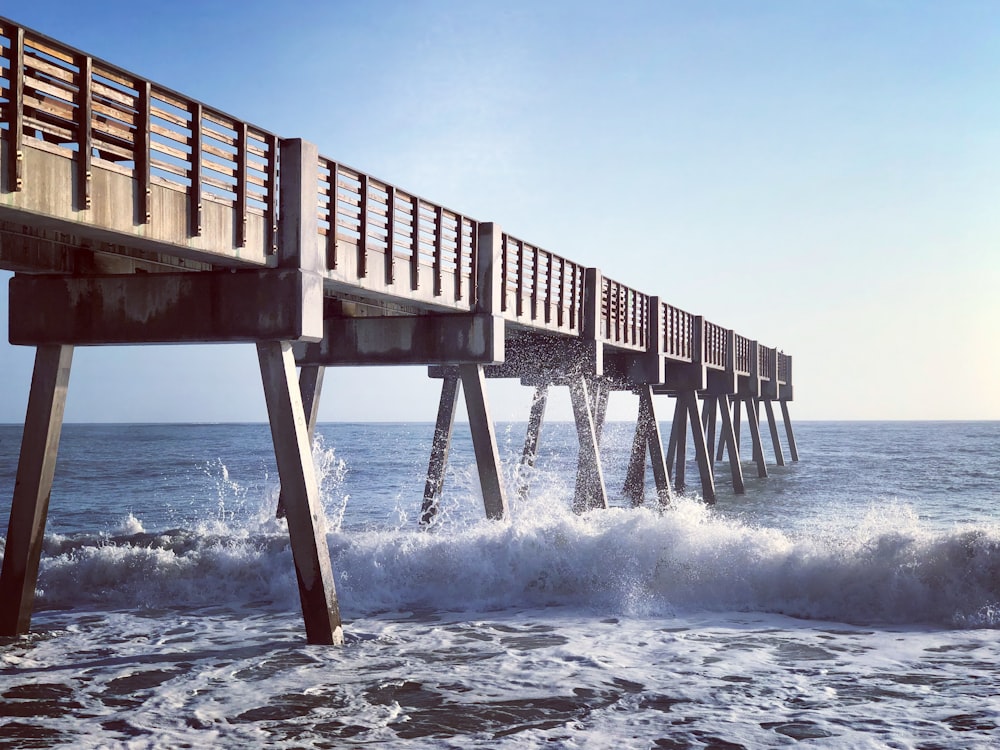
[{"x": 132, "y": 214}]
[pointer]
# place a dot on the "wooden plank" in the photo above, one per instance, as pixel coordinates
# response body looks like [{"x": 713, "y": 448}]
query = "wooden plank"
[
  {"x": 440, "y": 446},
  {"x": 174, "y": 136},
  {"x": 182, "y": 156},
  {"x": 168, "y": 98},
  {"x": 49, "y": 110},
  {"x": 115, "y": 117},
  {"x": 47, "y": 49},
  {"x": 112, "y": 94},
  {"x": 60, "y": 93},
  {"x": 167, "y": 116},
  {"x": 106, "y": 149},
  {"x": 219, "y": 153},
  {"x": 58, "y": 72},
  {"x": 33, "y": 485},
  {"x": 179, "y": 170},
  {"x": 118, "y": 76},
  {"x": 224, "y": 170},
  {"x": 228, "y": 187},
  {"x": 112, "y": 131}
]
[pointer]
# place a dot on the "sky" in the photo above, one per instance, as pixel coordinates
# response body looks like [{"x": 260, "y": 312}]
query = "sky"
[{"x": 823, "y": 177}]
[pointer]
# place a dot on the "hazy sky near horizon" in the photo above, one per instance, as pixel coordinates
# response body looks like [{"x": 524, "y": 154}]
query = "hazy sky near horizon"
[{"x": 822, "y": 176}]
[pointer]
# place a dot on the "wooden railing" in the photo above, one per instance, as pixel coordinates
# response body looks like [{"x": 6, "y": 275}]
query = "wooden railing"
[
  {"x": 678, "y": 334},
  {"x": 539, "y": 288},
  {"x": 624, "y": 316},
  {"x": 716, "y": 345},
  {"x": 377, "y": 236},
  {"x": 784, "y": 368},
  {"x": 59, "y": 96},
  {"x": 412, "y": 244}
]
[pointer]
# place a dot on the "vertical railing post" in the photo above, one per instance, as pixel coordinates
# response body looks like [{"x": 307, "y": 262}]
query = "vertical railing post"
[
  {"x": 415, "y": 243},
  {"x": 363, "y": 226},
  {"x": 85, "y": 136},
  {"x": 390, "y": 236},
  {"x": 332, "y": 246},
  {"x": 593, "y": 284},
  {"x": 195, "y": 201},
  {"x": 438, "y": 248},
  {"x": 141, "y": 148},
  {"x": 271, "y": 211},
  {"x": 15, "y": 111},
  {"x": 241, "y": 183},
  {"x": 459, "y": 233},
  {"x": 489, "y": 268}
]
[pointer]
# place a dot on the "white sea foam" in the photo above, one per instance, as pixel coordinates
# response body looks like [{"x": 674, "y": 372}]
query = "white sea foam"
[{"x": 888, "y": 568}]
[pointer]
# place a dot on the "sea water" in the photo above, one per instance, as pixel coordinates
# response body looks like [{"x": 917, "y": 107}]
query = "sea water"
[{"x": 850, "y": 600}]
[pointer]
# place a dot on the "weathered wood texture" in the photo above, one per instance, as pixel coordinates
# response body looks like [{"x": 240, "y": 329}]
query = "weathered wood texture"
[
  {"x": 530, "y": 452},
  {"x": 300, "y": 491},
  {"x": 484, "y": 441},
  {"x": 590, "y": 490},
  {"x": 440, "y": 446},
  {"x": 32, "y": 487}
]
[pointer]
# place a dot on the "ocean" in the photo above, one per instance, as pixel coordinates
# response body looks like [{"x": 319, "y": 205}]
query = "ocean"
[{"x": 850, "y": 600}]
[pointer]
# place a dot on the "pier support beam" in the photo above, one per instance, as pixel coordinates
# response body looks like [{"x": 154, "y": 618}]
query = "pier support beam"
[
  {"x": 310, "y": 388},
  {"x": 530, "y": 452},
  {"x": 590, "y": 490},
  {"x": 439, "y": 449},
  {"x": 677, "y": 447},
  {"x": 788, "y": 431},
  {"x": 690, "y": 401},
  {"x": 647, "y": 436},
  {"x": 730, "y": 441},
  {"x": 306, "y": 524},
  {"x": 773, "y": 425},
  {"x": 484, "y": 441},
  {"x": 753, "y": 422},
  {"x": 32, "y": 487}
]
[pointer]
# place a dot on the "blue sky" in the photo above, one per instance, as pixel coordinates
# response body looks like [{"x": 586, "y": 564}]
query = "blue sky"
[{"x": 821, "y": 176}]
